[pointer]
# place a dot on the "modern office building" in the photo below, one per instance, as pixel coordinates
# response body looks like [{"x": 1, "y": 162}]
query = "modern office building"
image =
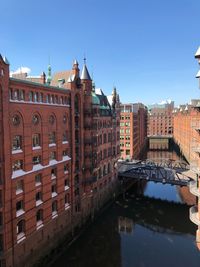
[
  {"x": 59, "y": 144},
  {"x": 133, "y": 129}
]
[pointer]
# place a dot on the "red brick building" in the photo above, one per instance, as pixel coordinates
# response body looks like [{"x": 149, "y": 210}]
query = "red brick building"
[
  {"x": 133, "y": 129},
  {"x": 59, "y": 143},
  {"x": 160, "y": 119},
  {"x": 187, "y": 136}
]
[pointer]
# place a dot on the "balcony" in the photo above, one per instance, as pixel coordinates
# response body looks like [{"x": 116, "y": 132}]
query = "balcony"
[
  {"x": 194, "y": 216},
  {"x": 194, "y": 189}
]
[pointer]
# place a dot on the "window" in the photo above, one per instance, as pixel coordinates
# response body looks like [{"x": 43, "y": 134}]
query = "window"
[
  {"x": 17, "y": 165},
  {"x": 67, "y": 201},
  {"x": 39, "y": 219},
  {"x": 52, "y": 155},
  {"x": 64, "y": 119},
  {"x": 31, "y": 96},
  {"x": 66, "y": 184},
  {"x": 64, "y": 137},
  {"x": 65, "y": 152},
  {"x": 51, "y": 118},
  {"x": 35, "y": 119},
  {"x": 36, "y": 160},
  {"x": 36, "y": 140},
  {"x": 16, "y": 120},
  {"x": 52, "y": 138},
  {"x": 38, "y": 198},
  {"x": 20, "y": 230},
  {"x": 17, "y": 142},
  {"x": 65, "y": 168},
  {"x": 54, "y": 209},
  {"x": 53, "y": 173},
  {"x": 19, "y": 208},
  {"x": 53, "y": 190},
  {"x": 38, "y": 179},
  {"x": 19, "y": 186}
]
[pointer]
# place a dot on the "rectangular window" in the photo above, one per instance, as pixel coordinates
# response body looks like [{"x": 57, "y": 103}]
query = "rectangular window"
[
  {"x": 38, "y": 198},
  {"x": 52, "y": 138},
  {"x": 19, "y": 186},
  {"x": 65, "y": 168},
  {"x": 64, "y": 137},
  {"x": 19, "y": 205},
  {"x": 67, "y": 200},
  {"x": 53, "y": 173},
  {"x": 53, "y": 190},
  {"x": 17, "y": 142},
  {"x": 65, "y": 152},
  {"x": 38, "y": 179},
  {"x": 36, "y": 140},
  {"x": 66, "y": 184},
  {"x": 52, "y": 155},
  {"x": 36, "y": 160},
  {"x": 17, "y": 165}
]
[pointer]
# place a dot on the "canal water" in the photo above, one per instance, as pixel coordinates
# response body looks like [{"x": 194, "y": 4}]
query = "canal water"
[{"x": 150, "y": 227}]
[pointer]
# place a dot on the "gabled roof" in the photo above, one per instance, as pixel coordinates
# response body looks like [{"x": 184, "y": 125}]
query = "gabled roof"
[{"x": 85, "y": 74}]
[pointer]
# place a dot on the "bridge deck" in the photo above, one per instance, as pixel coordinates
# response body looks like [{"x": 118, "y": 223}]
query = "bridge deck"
[{"x": 174, "y": 174}]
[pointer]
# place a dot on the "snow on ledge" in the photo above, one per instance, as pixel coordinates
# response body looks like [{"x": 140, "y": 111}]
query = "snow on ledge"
[{"x": 38, "y": 167}]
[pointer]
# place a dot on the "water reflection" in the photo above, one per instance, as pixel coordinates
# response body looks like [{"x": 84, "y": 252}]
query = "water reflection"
[{"x": 149, "y": 227}]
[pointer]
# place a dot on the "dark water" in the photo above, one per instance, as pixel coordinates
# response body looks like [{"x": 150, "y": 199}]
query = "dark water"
[{"x": 151, "y": 229}]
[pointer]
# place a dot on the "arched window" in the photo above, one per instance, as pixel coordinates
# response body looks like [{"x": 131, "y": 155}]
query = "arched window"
[{"x": 20, "y": 230}]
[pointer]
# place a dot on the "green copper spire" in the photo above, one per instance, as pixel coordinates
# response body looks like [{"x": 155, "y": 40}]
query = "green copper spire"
[{"x": 49, "y": 78}]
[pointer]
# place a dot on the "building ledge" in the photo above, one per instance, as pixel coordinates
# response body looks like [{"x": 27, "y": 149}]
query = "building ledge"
[
  {"x": 194, "y": 189},
  {"x": 194, "y": 215},
  {"x": 38, "y": 167}
]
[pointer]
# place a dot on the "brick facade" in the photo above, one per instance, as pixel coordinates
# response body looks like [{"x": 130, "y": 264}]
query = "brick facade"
[
  {"x": 160, "y": 119},
  {"x": 133, "y": 129},
  {"x": 55, "y": 171}
]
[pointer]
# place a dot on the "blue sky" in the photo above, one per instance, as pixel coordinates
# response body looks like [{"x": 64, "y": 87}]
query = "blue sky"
[{"x": 145, "y": 48}]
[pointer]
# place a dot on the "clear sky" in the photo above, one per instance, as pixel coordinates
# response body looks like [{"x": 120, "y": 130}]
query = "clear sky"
[{"x": 144, "y": 47}]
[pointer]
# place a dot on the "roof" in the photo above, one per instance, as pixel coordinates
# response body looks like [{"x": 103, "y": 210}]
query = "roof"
[
  {"x": 95, "y": 99},
  {"x": 197, "y": 55},
  {"x": 39, "y": 84},
  {"x": 85, "y": 74},
  {"x": 109, "y": 97},
  {"x": 60, "y": 76}
]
